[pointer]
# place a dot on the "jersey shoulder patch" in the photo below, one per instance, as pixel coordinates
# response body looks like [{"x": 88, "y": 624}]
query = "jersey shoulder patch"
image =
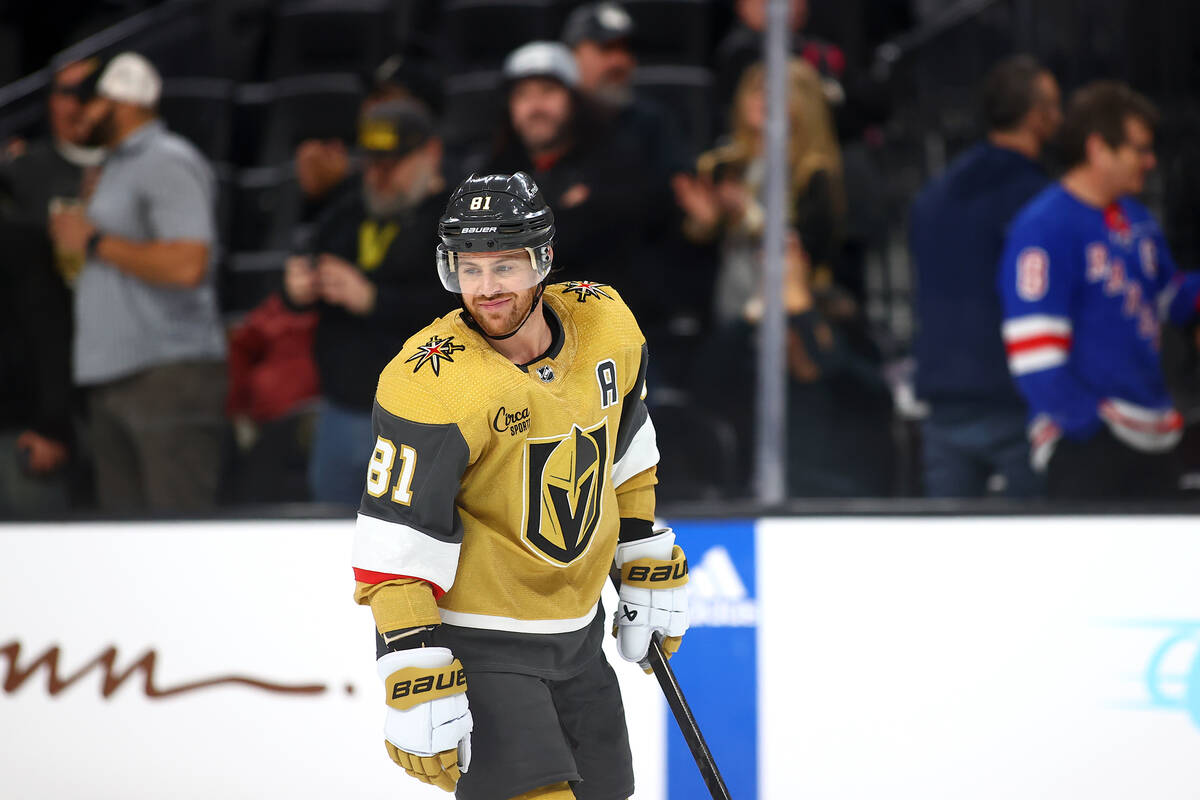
[
  {"x": 596, "y": 310},
  {"x": 436, "y": 375}
]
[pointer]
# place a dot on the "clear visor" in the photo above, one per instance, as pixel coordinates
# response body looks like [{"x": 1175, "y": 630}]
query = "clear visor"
[{"x": 493, "y": 273}]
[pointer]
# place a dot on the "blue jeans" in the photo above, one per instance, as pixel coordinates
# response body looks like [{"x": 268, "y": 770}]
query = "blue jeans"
[
  {"x": 342, "y": 447},
  {"x": 964, "y": 447}
]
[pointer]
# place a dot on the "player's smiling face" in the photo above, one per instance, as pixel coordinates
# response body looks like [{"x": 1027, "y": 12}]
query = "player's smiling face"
[{"x": 497, "y": 288}]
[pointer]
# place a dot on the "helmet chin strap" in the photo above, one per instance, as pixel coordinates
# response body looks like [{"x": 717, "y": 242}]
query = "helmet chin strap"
[{"x": 475, "y": 324}]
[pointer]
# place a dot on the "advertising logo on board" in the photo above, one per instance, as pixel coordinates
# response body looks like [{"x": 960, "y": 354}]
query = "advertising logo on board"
[
  {"x": 717, "y": 595},
  {"x": 1173, "y": 670}
]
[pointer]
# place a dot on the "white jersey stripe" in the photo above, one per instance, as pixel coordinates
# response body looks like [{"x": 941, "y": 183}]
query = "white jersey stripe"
[
  {"x": 1146, "y": 429},
  {"x": 493, "y": 623},
  {"x": 397, "y": 549},
  {"x": 1151, "y": 416},
  {"x": 1035, "y": 325},
  {"x": 641, "y": 454},
  {"x": 1036, "y": 360}
]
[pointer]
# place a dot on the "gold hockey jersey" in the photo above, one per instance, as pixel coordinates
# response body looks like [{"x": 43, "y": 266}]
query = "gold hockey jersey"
[{"x": 503, "y": 486}]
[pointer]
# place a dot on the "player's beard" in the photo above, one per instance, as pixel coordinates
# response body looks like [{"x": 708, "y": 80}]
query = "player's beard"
[{"x": 508, "y": 317}]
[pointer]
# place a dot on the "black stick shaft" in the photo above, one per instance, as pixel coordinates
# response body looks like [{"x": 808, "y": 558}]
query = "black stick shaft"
[{"x": 684, "y": 717}]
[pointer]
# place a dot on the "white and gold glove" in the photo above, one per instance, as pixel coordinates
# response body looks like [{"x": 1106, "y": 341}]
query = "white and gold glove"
[
  {"x": 653, "y": 595},
  {"x": 428, "y": 726}
]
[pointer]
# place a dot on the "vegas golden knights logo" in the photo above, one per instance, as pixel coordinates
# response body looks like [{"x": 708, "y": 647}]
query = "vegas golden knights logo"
[{"x": 565, "y": 486}]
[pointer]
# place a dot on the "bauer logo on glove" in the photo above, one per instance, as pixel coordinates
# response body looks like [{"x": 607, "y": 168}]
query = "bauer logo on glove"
[
  {"x": 413, "y": 685},
  {"x": 653, "y": 594},
  {"x": 651, "y": 574}
]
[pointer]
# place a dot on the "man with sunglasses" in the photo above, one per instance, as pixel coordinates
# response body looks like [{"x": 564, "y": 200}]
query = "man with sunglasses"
[
  {"x": 1087, "y": 280},
  {"x": 54, "y": 166}
]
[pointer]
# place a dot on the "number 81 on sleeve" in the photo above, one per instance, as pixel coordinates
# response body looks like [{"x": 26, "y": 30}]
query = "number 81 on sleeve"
[{"x": 379, "y": 471}]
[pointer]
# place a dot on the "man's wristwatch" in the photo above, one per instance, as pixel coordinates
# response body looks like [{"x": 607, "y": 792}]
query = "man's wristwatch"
[{"x": 93, "y": 242}]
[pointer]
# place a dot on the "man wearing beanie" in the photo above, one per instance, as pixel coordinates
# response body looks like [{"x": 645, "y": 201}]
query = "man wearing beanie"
[{"x": 149, "y": 349}]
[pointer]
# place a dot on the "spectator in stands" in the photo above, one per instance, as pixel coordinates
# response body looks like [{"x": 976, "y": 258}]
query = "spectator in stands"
[
  {"x": 366, "y": 275},
  {"x": 976, "y": 426},
  {"x": 36, "y": 436},
  {"x": 1087, "y": 278},
  {"x": 600, "y": 36},
  {"x": 273, "y": 385},
  {"x": 149, "y": 346},
  {"x": 606, "y": 199},
  {"x": 839, "y": 408},
  {"x": 324, "y": 168},
  {"x": 724, "y": 202},
  {"x": 743, "y": 47},
  {"x": 53, "y": 167}
]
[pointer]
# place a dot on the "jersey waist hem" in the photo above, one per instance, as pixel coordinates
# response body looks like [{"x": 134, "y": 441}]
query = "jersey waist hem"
[{"x": 490, "y": 622}]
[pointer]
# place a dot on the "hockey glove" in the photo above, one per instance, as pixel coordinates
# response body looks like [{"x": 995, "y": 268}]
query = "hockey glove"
[
  {"x": 428, "y": 726},
  {"x": 653, "y": 595}
]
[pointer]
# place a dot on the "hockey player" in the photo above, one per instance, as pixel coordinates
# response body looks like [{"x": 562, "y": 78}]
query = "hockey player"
[
  {"x": 514, "y": 461},
  {"x": 1087, "y": 279}
]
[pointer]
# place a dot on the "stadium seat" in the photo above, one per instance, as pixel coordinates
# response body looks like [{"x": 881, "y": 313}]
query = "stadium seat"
[
  {"x": 183, "y": 47},
  {"x": 226, "y": 195},
  {"x": 249, "y": 277},
  {"x": 266, "y": 209},
  {"x": 309, "y": 107},
  {"x": 474, "y": 108},
  {"x": 671, "y": 31},
  {"x": 480, "y": 33},
  {"x": 693, "y": 467},
  {"x": 321, "y": 36},
  {"x": 200, "y": 110},
  {"x": 685, "y": 92}
]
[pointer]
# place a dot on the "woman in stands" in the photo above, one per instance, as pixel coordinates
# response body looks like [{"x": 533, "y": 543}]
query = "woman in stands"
[{"x": 839, "y": 407}]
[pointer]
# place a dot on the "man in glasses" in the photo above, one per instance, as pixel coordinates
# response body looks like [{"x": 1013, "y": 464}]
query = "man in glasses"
[{"x": 1087, "y": 281}]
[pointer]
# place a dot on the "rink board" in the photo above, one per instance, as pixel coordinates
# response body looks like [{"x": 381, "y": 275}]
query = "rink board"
[{"x": 832, "y": 657}]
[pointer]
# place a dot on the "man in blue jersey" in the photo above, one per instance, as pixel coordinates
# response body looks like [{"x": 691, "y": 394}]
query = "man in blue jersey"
[
  {"x": 976, "y": 426},
  {"x": 1087, "y": 280}
]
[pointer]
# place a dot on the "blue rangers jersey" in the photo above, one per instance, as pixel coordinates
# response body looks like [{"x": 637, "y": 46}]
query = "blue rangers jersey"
[{"x": 1085, "y": 292}]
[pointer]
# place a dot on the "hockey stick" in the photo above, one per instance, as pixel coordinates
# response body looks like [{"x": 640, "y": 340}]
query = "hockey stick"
[{"x": 684, "y": 717}]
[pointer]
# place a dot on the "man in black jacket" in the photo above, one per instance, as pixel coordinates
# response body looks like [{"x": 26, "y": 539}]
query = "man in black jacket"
[
  {"x": 599, "y": 185},
  {"x": 366, "y": 274},
  {"x": 35, "y": 375}
]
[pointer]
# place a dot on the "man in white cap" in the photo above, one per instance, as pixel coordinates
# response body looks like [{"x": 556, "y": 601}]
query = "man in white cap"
[
  {"x": 599, "y": 184},
  {"x": 149, "y": 346}
]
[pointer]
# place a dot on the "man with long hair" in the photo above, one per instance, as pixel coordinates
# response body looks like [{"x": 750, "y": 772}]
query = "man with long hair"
[{"x": 602, "y": 190}]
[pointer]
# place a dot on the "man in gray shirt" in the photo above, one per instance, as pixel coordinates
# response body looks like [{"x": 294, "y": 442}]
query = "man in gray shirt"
[{"x": 149, "y": 345}]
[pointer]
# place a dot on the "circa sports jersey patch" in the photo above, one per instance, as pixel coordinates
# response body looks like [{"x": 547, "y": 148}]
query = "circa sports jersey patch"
[
  {"x": 514, "y": 422},
  {"x": 564, "y": 492},
  {"x": 434, "y": 352},
  {"x": 1033, "y": 274},
  {"x": 585, "y": 289}
]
